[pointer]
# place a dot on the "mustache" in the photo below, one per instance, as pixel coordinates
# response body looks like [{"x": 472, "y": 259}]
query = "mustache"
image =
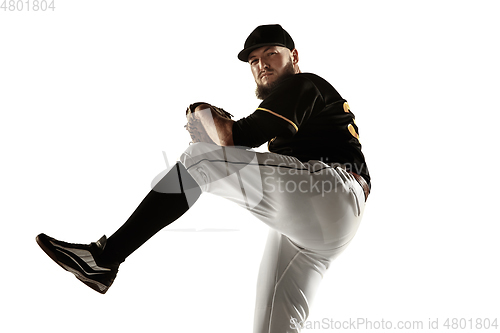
[{"x": 265, "y": 72}]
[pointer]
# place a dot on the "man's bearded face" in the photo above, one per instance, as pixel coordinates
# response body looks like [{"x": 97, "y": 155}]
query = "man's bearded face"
[{"x": 269, "y": 65}]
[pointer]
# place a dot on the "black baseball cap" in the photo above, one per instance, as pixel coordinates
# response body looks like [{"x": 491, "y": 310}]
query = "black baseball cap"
[{"x": 263, "y": 35}]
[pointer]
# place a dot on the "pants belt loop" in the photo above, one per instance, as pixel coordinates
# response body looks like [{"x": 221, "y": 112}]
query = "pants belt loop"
[
  {"x": 361, "y": 182},
  {"x": 358, "y": 178}
]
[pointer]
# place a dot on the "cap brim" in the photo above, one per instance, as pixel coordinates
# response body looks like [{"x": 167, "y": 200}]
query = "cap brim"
[{"x": 243, "y": 55}]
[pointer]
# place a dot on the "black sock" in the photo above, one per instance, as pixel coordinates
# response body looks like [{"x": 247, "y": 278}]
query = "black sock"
[{"x": 166, "y": 202}]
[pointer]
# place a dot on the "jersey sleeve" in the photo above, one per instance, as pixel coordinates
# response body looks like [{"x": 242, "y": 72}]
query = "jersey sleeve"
[{"x": 280, "y": 114}]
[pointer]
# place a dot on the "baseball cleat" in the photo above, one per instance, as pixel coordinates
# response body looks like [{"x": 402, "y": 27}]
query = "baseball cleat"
[{"x": 82, "y": 260}]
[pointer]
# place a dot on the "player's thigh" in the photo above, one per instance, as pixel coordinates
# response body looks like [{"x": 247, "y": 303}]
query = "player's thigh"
[{"x": 313, "y": 205}]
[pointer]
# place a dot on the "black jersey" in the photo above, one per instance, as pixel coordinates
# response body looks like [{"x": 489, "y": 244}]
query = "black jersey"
[{"x": 305, "y": 117}]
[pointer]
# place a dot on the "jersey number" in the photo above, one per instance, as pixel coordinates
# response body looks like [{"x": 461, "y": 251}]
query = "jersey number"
[{"x": 351, "y": 128}]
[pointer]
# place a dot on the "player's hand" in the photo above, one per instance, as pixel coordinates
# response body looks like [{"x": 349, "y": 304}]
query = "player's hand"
[{"x": 202, "y": 119}]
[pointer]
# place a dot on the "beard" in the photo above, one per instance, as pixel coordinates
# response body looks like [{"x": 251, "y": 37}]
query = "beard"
[{"x": 263, "y": 91}]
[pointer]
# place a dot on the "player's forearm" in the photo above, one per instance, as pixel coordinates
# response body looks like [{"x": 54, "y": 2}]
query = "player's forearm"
[{"x": 219, "y": 129}]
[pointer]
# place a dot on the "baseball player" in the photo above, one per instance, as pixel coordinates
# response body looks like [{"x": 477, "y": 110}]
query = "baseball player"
[{"x": 310, "y": 188}]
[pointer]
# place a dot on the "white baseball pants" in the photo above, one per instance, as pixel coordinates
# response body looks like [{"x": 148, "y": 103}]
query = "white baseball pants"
[{"x": 313, "y": 211}]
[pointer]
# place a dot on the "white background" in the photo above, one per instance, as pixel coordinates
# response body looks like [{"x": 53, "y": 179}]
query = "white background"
[{"x": 93, "y": 92}]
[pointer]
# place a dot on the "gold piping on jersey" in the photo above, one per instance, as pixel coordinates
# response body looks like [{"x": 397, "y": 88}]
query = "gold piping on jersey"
[
  {"x": 278, "y": 115},
  {"x": 271, "y": 141}
]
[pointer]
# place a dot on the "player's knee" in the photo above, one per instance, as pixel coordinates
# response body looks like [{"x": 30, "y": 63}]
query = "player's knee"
[{"x": 198, "y": 151}]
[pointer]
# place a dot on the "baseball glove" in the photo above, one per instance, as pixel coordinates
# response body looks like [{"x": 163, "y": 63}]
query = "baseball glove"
[{"x": 195, "y": 127}]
